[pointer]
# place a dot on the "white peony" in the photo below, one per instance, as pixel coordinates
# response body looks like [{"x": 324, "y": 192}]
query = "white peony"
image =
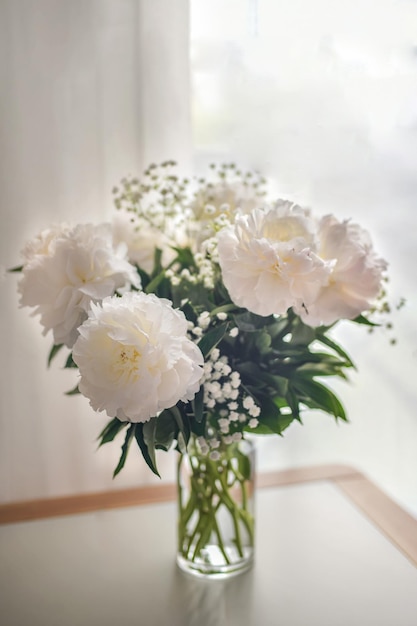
[
  {"x": 67, "y": 269},
  {"x": 135, "y": 358},
  {"x": 268, "y": 260},
  {"x": 141, "y": 240},
  {"x": 355, "y": 279},
  {"x": 43, "y": 244}
]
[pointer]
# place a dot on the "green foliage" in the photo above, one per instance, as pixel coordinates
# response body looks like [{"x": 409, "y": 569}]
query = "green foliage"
[{"x": 53, "y": 352}]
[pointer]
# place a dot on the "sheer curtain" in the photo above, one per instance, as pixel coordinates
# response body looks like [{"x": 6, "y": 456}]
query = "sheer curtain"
[
  {"x": 90, "y": 90},
  {"x": 321, "y": 96}
]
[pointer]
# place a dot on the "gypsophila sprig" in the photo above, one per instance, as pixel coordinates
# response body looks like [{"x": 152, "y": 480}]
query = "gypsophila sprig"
[{"x": 205, "y": 310}]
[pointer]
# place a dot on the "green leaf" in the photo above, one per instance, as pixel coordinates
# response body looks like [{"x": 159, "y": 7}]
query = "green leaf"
[
  {"x": 251, "y": 372},
  {"x": 198, "y": 405},
  {"x": 212, "y": 338},
  {"x": 70, "y": 362},
  {"x": 73, "y": 392},
  {"x": 271, "y": 420},
  {"x": 110, "y": 431},
  {"x": 149, "y": 438},
  {"x": 244, "y": 465},
  {"x": 183, "y": 423},
  {"x": 125, "y": 449},
  {"x": 189, "y": 312},
  {"x": 249, "y": 322},
  {"x": 155, "y": 282},
  {"x": 361, "y": 319},
  {"x": 54, "y": 351},
  {"x": 337, "y": 348},
  {"x": 293, "y": 402},
  {"x": 140, "y": 439},
  {"x": 166, "y": 430},
  {"x": 315, "y": 395},
  {"x": 19, "y": 268}
]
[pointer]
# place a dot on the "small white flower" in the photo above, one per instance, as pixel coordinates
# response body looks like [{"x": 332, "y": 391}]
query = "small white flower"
[
  {"x": 222, "y": 316},
  {"x": 214, "y": 455},
  {"x": 234, "y": 332},
  {"x": 203, "y": 320},
  {"x": 254, "y": 411},
  {"x": 135, "y": 359},
  {"x": 248, "y": 402},
  {"x": 224, "y": 424},
  {"x": 253, "y": 423}
]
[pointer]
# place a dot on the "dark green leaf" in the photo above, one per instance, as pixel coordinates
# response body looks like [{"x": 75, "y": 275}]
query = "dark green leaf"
[
  {"x": 155, "y": 282},
  {"x": 149, "y": 438},
  {"x": 250, "y": 372},
  {"x": 198, "y": 405},
  {"x": 212, "y": 338},
  {"x": 244, "y": 465},
  {"x": 110, "y": 431},
  {"x": 16, "y": 269},
  {"x": 73, "y": 392},
  {"x": 70, "y": 362},
  {"x": 249, "y": 322},
  {"x": 361, "y": 319},
  {"x": 54, "y": 351},
  {"x": 144, "y": 448},
  {"x": 315, "y": 395},
  {"x": 125, "y": 449},
  {"x": 166, "y": 430},
  {"x": 337, "y": 348},
  {"x": 271, "y": 420}
]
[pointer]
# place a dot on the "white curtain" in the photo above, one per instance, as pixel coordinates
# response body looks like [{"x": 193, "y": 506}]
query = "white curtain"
[
  {"x": 321, "y": 96},
  {"x": 91, "y": 90}
]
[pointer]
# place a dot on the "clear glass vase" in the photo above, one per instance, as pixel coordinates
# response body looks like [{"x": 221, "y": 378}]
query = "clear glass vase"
[{"x": 216, "y": 509}]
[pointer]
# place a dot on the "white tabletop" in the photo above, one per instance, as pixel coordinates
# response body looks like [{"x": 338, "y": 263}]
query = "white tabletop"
[{"x": 319, "y": 561}]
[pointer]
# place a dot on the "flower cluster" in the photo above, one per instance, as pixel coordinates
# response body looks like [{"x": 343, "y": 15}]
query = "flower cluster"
[{"x": 204, "y": 309}]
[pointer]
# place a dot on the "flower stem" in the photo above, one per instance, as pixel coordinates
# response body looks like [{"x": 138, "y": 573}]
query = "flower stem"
[{"x": 214, "y": 508}]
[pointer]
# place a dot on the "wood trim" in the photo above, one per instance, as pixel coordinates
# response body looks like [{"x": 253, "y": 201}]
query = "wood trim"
[
  {"x": 162, "y": 492},
  {"x": 304, "y": 474},
  {"x": 399, "y": 526},
  {"x": 396, "y": 524}
]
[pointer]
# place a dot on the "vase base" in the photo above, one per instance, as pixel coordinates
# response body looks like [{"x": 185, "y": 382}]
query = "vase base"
[{"x": 209, "y": 568}]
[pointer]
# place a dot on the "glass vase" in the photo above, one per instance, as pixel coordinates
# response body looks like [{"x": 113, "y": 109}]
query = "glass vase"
[{"x": 216, "y": 509}]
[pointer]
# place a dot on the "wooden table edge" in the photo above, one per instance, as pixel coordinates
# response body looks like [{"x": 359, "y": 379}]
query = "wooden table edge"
[{"x": 394, "y": 522}]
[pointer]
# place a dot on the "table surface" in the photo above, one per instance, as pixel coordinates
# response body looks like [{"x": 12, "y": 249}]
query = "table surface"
[{"x": 320, "y": 560}]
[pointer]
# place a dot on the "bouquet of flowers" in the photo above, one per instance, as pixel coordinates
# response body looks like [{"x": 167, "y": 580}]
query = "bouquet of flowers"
[{"x": 204, "y": 311}]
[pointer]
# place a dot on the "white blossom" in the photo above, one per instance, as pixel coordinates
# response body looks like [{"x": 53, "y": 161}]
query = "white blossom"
[
  {"x": 268, "y": 260},
  {"x": 134, "y": 357},
  {"x": 355, "y": 278},
  {"x": 68, "y": 269}
]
